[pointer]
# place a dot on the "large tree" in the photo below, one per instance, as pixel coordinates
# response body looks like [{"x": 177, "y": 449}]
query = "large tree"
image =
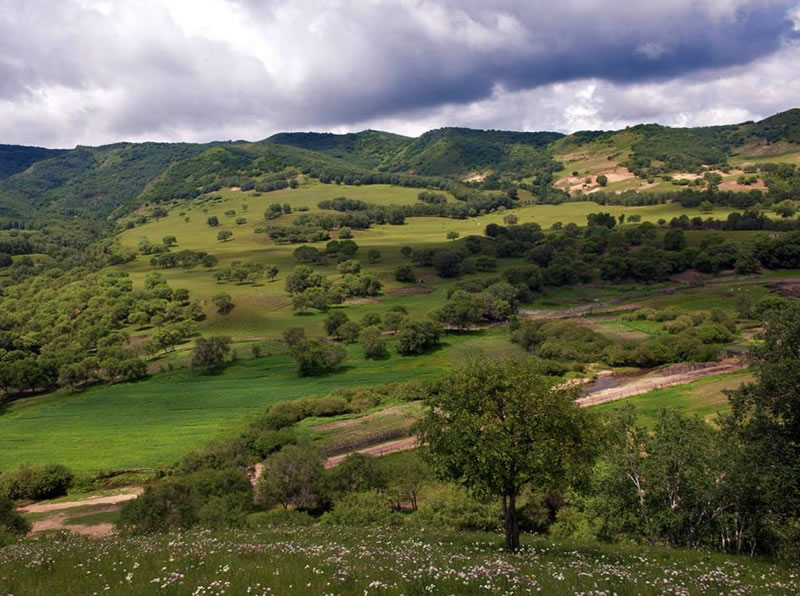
[{"x": 497, "y": 427}]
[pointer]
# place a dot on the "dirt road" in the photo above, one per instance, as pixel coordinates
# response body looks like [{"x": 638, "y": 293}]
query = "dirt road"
[
  {"x": 129, "y": 495},
  {"x": 670, "y": 377},
  {"x": 377, "y": 450}
]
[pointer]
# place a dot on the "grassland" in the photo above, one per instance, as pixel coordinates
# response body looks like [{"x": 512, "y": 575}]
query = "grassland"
[
  {"x": 263, "y": 309},
  {"x": 153, "y": 423},
  {"x": 705, "y": 398},
  {"x": 381, "y": 560}
]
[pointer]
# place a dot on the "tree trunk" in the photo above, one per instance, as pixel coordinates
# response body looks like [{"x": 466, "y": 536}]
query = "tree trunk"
[{"x": 510, "y": 524}]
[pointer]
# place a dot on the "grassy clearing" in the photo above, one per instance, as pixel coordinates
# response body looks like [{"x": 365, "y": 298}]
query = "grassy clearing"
[
  {"x": 263, "y": 309},
  {"x": 704, "y": 398},
  {"x": 154, "y": 422},
  {"x": 332, "y": 560}
]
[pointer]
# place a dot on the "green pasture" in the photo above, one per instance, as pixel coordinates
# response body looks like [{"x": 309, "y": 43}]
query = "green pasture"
[
  {"x": 704, "y": 398},
  {"x": 264, "y": 310},
  {"x": 154, "y": 422}
]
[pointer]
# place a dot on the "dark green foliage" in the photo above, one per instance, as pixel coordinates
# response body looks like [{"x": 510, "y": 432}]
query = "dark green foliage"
[
  {"x": 372, "y": 343},
  {"x": 211, "y": 352},
  {"x": 358, "y": 473},
  {"x": 497, "y": 427},
  {"x": 293, "y": 477},
  {"x": 36, "y": 482},
  {"x": 212, "y": 498},
  {"x": 404, "y": 273},
  {"x": 316, "y": 357},
  {"x": 415, "y": 337},
  {"x": 560, "y": 340},
  {"x": 10, "y": 521}
]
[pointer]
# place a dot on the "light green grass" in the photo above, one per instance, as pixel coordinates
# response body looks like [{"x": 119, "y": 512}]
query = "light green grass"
[
  {"x": 152, "y": 423},
  {"x": 704, "y": 398},
  {"x": 383, "y": 560}
]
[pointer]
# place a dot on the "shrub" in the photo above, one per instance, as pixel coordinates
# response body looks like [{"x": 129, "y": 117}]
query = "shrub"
[
  {"x": 284, "y": 414},
  {"x": 40, "y": 482},
  {"x": 10, "y": 521},
  {"x": 328, "y": 406},
  {"x": 404, "y": 273},
  {"x": 367, "y": 508}
]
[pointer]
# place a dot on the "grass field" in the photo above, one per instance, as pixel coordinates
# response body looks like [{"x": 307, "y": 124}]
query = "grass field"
[
  {"x": 704, "y": 398},
  {"x": 153, "y": 423},
  {"x": 381, "y": 560},
  {"x": 263, "y": 309}
]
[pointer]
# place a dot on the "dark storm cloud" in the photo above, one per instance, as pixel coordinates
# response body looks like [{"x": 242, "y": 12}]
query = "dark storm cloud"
[
  {"x": 100, "y": 70},
  {"x": 424, "y": 54}
]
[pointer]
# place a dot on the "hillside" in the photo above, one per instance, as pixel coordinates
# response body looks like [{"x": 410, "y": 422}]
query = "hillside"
[
  {"x": 95, "y": 182},
  {"x": 370, "y": 149},
  {"x": 16, "y": 158}
]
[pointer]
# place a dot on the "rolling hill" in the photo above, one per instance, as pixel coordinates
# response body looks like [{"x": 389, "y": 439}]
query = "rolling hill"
[{"x": 96, "y": 182}]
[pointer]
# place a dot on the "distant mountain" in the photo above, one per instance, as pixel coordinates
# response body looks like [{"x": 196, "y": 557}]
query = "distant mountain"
[
  {"x": 16, "y": 158},
  {"x": 371, "y": 149},
  {"x": 97, "y": 182}
]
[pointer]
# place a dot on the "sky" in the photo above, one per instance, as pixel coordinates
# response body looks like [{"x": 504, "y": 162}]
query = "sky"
[{"x": 91, "y": 72}]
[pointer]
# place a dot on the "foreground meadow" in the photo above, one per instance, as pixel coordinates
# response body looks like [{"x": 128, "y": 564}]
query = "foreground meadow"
[{"x": 335, "y": 560}]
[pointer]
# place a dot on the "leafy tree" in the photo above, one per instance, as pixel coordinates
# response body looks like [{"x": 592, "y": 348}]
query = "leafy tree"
[
  {"x": 414, "y": 337},
  {"x": 372, "y": 343},
  {"x": 316, "y": 357},
  {"x": 498, "y": 427},
  {"x": 373, "y": 255},
  {"x": 293, "y": 477},
  {"x": 223, "y": 303},
  {"x": 409, "y": 475},
  {"x": 224, "y": 235},
  {"x": 210, "y": 261},
  {"x": 345, "y": 233},
  {"x": 213, "y": 221},
  {"x": 601, "y": 219},
  {"x": 358, "y": 473},
  {"x": 453, "y": 235},
  {"x": 334, "y": 320},
  {"x": 348, "y": 332},
  {"x": 169, "y": 240},
  {"x": 210, "y": 353},
  {"x": 307, "y": 254},
  {"x": 510, "y": 219},
  {"x": 447, "y": 263},
  {"x": 351, "y": 266},
  {"x": 674, "y": 240},
  {"x": 602, "y": 180},
  {"x": 271, "y": 271},
  {"x": 294, "y": 335},
  {"x": 404, "y": 273},
  {"x": 406, "y": 251},
  {"x": 765, "y": 421},
  {"x": 10, "y": 520},
  {"x": 393, "y": 320},
  {"x": 706, "y": 207},
  {"x": 461, "y": 311},
  {"x": 302, "y": 278}
]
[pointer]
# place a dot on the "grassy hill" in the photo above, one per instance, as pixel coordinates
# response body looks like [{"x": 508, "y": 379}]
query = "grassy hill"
[
  {"x": 370, "y": 149},
  {"x": 16, "y": 158},
  {"x": 96, "y": 182}
]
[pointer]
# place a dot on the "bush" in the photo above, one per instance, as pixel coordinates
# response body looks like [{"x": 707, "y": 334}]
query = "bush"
[
  {"x": 404, "y": 273},
  {"x": 284, "y": 414},
  {"x": 328, "y": 406},
  {"x": 10, "y": 521},
  {"x": 458, "y": 511},
  {"x": 280, "y": 518},
  {"x": 369, "y": 508},
  {"x": 37, "y": 483}
]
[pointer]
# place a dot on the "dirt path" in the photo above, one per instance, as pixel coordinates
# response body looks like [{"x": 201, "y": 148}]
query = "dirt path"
[
  {"x": 109, "y": 500},
  {"x": 376, "y": 450},
  {"x": 660, "y": 380}
]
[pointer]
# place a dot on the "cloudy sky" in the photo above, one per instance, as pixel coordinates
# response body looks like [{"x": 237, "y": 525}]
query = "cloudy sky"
[{"x": 99, "y": 71}]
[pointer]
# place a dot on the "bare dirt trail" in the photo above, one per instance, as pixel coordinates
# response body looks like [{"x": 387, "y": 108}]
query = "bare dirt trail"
[
  {"x": 670, "y": 377},
  {"x": 379, "y": 450},
  {"x": 129, "y": 495}
]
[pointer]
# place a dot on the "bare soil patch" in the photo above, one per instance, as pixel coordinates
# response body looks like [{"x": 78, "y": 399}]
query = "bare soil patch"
[
  {"x": 363, "y": 301},
  {"x": 666, "y": 377},
  {"x": 129, "y": 495},
  {"x": 409, "y": 291},
  {"x": 377, "y": 450},
  {"x": 356, "y": 421}
]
